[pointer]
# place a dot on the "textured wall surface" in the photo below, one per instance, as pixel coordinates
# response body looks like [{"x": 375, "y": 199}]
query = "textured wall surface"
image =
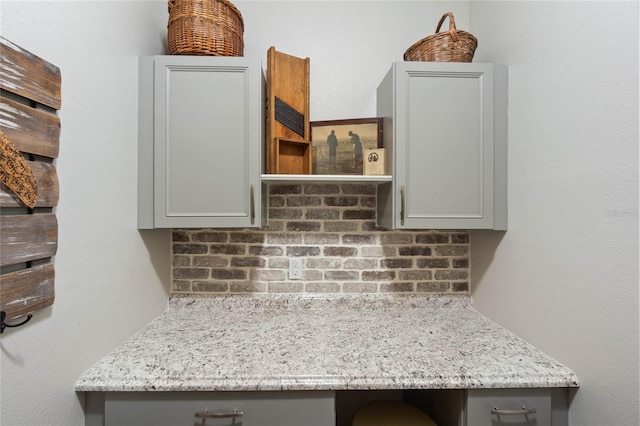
[
  {"x": 110, "y": 280},
  {"x": 564, "y": 276},
  {"x": 332, "y": 228}
]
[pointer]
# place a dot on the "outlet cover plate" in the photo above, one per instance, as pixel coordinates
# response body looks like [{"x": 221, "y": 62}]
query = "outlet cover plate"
[{"x": 295, "y": 268}]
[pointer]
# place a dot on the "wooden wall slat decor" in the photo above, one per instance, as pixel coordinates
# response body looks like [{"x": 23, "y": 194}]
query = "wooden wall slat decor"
[
  {"x": 31, "y": 94},
  {"x": 31, "y": 130},
  {"x": 27, "y": 290},
  {"x": 28, "y": 237},
  {"x": 29, "y": 76}
]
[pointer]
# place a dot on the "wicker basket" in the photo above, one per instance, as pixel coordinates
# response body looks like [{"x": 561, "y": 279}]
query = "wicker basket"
[
  {"x": 205, "y": 27},
  {"x": 447, "y": 46}
]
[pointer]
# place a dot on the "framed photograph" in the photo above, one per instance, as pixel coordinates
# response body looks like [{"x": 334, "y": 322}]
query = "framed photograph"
[{"x": 338, "y": 144}]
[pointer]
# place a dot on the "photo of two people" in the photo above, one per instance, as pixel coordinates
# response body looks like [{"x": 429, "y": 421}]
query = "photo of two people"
[{"x": 338, "y": 145}]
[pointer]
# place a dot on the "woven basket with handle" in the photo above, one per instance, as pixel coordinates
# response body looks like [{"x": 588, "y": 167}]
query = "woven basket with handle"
[
  {"x": 446, "y": 46},
  {"x": 205, "y": 27}
]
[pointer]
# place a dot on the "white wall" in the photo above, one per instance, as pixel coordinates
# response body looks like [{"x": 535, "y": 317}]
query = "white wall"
[
  {"x": 565, "y": 274},
  {"x": 351, "y": 44},
  {"x": 110, "y": 281}
]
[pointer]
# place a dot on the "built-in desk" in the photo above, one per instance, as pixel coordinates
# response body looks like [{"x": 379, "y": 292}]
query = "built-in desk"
[{"x": 330, "y": 351}]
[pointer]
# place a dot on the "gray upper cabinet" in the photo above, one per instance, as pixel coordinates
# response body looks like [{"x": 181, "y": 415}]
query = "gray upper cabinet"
[
  {"x": 200, "y": 142},
  {"x": 445, "y": 130}
]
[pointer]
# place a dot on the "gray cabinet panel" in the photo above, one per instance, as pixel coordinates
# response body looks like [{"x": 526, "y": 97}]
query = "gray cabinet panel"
[
  {"x": 437, "y": 122},
  {"x": 307, "y": 408},
  {"x": 441, "y": 128},
  {"x": 207, "y": 140},
  {"x": 509, "y": 406}
]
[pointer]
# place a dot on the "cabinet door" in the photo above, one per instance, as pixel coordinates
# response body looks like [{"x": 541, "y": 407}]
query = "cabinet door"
[
  {"x": 498, "y": 407},
  {"x": 447, "y": 166},
  {"x": 207, "y": 139},
  {"x": 307, "y": 408}
]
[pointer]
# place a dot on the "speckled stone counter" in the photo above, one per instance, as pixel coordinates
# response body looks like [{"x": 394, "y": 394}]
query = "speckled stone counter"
[{"x": 312, "y": 342}]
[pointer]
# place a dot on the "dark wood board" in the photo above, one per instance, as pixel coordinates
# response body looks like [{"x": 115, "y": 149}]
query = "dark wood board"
[
  {"x": 27, "y": 75},
  {"x": 26, "y": 238},
  {"x": 31, "y": 130},
  {"x": 27, "y": 290}
]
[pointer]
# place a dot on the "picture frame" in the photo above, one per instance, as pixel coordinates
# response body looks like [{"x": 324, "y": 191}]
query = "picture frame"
[{"x": 342, "y": 155}]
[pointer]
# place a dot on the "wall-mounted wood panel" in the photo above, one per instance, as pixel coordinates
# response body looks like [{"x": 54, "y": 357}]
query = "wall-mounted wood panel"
[{"x": 31, "y": 94}]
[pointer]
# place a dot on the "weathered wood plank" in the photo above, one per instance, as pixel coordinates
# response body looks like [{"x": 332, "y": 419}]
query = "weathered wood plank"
[
  {"x": 31, "y": 130},
  {"x": 27, "y": 75},
  {"x": 25, "y": 238},
  {"x": 48, "y": 189},
  {"x": 27, "y": 290}
]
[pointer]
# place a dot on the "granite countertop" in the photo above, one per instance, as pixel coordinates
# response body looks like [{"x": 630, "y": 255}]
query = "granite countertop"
[{"x": 323, "y": 342}]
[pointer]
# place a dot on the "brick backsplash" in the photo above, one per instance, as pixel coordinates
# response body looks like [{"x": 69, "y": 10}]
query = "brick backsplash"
[{"x": 332, "y": 228}]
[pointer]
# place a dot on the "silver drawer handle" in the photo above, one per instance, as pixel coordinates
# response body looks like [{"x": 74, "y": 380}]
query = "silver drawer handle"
[
  {"x": 204, "y": 415},
  {"x": 522, "y": 412}
]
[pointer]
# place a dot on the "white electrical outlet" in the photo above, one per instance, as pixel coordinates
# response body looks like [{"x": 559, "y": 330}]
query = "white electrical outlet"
[{"x": 295, "y": 268}]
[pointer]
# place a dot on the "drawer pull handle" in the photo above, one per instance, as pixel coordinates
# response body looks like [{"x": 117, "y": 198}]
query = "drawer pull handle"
[
  {"x": 204, "y": 415},
  {"x": 522, "y": 412}
]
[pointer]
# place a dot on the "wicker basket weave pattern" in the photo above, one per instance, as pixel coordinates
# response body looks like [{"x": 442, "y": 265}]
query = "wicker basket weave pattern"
[
  {"x": 447, "y": 46},
  {"x": 205, "y": 27},
  {"x": 16, "y": 174}
]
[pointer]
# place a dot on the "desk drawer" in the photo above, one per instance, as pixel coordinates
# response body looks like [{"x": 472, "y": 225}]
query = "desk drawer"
[
  {"x": 307, "y": 408},
  {"x": 502, "y": 407}
]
